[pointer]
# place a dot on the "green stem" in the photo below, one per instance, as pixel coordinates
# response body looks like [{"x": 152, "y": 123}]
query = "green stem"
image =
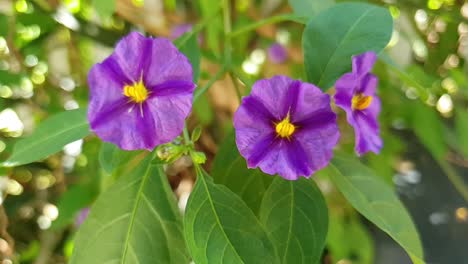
[
  {"x": 270, "y": 20},
  {"x": 186, "y": 134},
  {"x": 227, "y": 32},
  {"x": 216, "y": 77},
  {"x": 198, "y": 27},
  {"x": 236, "y": 86}
]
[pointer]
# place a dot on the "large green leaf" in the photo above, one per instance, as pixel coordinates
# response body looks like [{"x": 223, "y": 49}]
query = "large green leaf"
[
  {"x": 220, "y": 228},
  {"x": 135, "y": 221},
  {"x": 50, "y": 137},
  {"x": 214, "y": 28},
  {"x": 74, "y": 199},
  {"x": 309, "y": 8},
  {"x": 376, "y": 201},
  {"x": 230, "y": 169},
  {"x": 428, "y": 127},
  {"x": 461, "y": 126},
  {"x": 191, "y": 49},
  {"x": 348, "y": 238},
  {"x": 111, "y": 157},
  {"x": 295, "y": 215},
  {"x": 332, "y": 37}
]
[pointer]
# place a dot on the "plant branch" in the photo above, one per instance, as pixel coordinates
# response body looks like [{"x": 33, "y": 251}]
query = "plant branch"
[{"x": 270, "y": 20}]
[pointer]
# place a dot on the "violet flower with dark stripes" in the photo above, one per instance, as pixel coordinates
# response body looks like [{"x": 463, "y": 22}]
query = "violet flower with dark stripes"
[
  {"x": 141, "y": 94},
  {"x": 286, "y": 127},
  {"x": 356, "y": 95}
]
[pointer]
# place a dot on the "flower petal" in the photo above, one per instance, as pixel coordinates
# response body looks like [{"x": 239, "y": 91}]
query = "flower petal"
[
  {"x": 363, "y": 63},
  {"x": 126, "y": 127},
  {"x": 310, "y": 100},
  {"x": 167, "y": 63},
  {"x": 169, "y": 114},
  {"x": 273, "y": 93},
  {"x": 286, "y": 158},
  {"x": 368, "y": 84},
  {"x": 366, "y": 135},
  {"x": 318, "y": 142},
  {"x": 133, "y": 54},
  {"x": 345, "y": 89}
]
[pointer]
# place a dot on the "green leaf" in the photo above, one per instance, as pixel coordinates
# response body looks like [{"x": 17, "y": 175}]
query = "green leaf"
[
  {"x": 296, "y": 215},
  {"x": 348, "y": 238},
  {"x": 461, "y": 126},
  {"x": 3, "y": 25},
  {"x": 71, "y": 202},
  {"x": 220, "y": 228},
  {"x": 135, "y": 221},
  {"x": 104, "y": 8},
  {"x": 50, "y": 137},
  {"x": 214, "y": 28},
  {"x": 192, "y": 51},
  {"x": 429, "y": 128},
  {"x": 331, "y": 38},
  {"x": 230, "y": 169},
  {"x": 376, "y": 201},
  {"x": 309, "y": 8},
  {"x": 203, "y": 109},
  {"x": 111, "y": 157}
]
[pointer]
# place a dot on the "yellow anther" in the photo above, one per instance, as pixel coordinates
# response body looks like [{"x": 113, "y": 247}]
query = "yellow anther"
[
  {"x": 137, "y": 92},
  {"x": 284, "y": 128},
  {"x": 361, "y": 101}
]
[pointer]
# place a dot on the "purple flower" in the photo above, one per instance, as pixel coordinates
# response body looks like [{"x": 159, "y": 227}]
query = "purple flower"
[
  {"x": 355, "y": 93},
  {"x": 81, "y": 217},
  {"x": 179, "y": 30},
  {"x": 277, "y": 53},
  {"x": 286, "y": 127},
  {"x": 141, "y": 94}
]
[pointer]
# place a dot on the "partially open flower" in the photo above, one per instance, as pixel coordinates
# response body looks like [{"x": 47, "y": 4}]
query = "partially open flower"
[
  {"x": 356, "y": 94},
  {"x": 286, "y": 127},
  {"x": 141, "y": 94}
]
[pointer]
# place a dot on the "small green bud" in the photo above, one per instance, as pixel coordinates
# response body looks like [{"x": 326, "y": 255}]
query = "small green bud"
[
  {"x": 170, "y": 152},
  {"x": 196, "y": 133},
  {"x": 198, "y": 157}
]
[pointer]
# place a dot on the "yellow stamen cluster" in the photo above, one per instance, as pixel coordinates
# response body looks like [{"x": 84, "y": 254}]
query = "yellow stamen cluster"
[
  {"x": 137, "y": 92},
  {"x": 361, "y": 101},
  {"x": 284, "y": 128}
]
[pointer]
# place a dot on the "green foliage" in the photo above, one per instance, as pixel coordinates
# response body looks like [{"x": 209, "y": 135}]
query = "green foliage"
[
  {"x": 191, "y": 49},
  {"x": 331, "y": 38},
  {"x": 135, "y": 221},
  {"x": 295, "y": 215},
  {"x": 349, "y": 239},
  {"x": 230, "y": 169},
  {"x": 376, "y": 201},
  {"x": 309, "y": 8},
  {"x": 111, "y": 157},
  {"x": 104, "y": 8},
  {"x": 220, "y": 228},
  {"x": 428, "y": 127},
  {"x": 461, "y": 126},
  {"x": 74, "y": 199},
  {"x": 50, "y": 137}
]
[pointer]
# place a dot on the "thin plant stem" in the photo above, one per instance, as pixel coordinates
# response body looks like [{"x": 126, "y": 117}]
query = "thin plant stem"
[
  {"x": 270, "y": 20},
  {"x": 227, "y": 32},
  {"x": 236, "y": 86},
  {"x": 198, "y": 27},
  {"x": 186, "y": 134},
  {"x": 216, "y": 77}
]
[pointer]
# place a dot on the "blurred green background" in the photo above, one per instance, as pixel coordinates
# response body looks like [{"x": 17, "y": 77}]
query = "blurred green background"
[{"x": 48, "y": 46}]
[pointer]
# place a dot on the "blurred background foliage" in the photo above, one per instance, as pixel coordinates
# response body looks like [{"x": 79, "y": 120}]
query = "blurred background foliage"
[{"x": 48, "y": 46}]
